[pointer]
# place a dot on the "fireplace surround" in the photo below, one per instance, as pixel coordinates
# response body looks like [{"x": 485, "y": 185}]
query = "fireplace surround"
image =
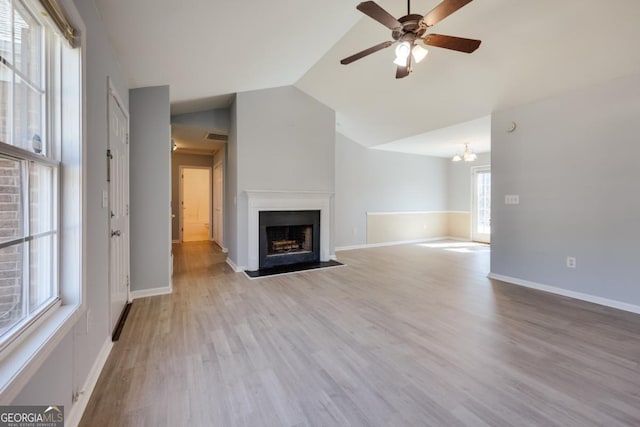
[{"x": 266, "y": 200}]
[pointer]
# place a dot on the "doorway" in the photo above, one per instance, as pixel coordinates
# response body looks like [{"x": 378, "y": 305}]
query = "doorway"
[
  {"x": 218, "y": 204},
  {"x": 481, "y": 204},
  {"x": 195, "y": 203},
  {"x": 117, "y": 202}
]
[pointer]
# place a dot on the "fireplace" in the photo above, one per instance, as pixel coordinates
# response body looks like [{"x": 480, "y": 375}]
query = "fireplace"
[
  {"x": 259, "y": 201},
  {"x": 288, "y": 237}
]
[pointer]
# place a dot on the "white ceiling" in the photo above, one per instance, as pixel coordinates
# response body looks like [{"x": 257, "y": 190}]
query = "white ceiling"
[
  {"x": 209, "y": 49},
  {"x": 445, "y": 141}
]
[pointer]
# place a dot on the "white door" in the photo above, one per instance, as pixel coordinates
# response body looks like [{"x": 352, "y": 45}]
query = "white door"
[
  {"x": 218, "y": 207},
  {"x": 481, "y": 204},
  {"x": 118, "y": 177},
  {"x": 195, "y": 194}
]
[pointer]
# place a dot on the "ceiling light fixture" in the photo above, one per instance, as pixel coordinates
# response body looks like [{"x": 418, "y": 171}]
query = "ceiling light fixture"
[
  {"x": 404, "y": 49},
  {"x": 402, "y": 54},
  {"x": 467, "y": 156},
  {"x": 419, "y": 53}
]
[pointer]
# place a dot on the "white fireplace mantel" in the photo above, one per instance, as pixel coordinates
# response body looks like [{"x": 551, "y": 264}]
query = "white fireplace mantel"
[{"x": 266, "y": 200}]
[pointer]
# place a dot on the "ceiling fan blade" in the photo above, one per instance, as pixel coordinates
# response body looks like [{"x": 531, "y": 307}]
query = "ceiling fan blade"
[
  {"x": 441, "y": 11},
  {"x": 450, "y": 42},
  {"x": 366, "y": 52},
  {"x": 403, "y": 71},
  {"x": 371, "y": 9}
]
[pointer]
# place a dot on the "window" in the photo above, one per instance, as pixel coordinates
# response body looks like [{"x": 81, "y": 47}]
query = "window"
[{"x": 30, "y": 52}]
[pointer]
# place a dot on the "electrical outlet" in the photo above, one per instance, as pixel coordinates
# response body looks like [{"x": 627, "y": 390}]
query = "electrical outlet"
[{"x": 571, "y": 262}]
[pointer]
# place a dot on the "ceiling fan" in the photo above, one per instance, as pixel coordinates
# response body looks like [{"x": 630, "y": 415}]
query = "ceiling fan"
[{"x": 407, "y": 30}]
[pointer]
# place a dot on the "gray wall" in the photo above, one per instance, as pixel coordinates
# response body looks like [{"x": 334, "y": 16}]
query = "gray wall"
[
  {"x": 369, "y": 180},
  {"x": 573, "y": 160},
  {"x": 459, "y": 182},
  {"x": 177, "y": 160},
  {"x": 231, "y": 186},
  {"x": 217, "y": 119},
  {"x": 150, "y": 214},
  {"x": 67, "y": 368},
  {"x": 283, "y": 140}
]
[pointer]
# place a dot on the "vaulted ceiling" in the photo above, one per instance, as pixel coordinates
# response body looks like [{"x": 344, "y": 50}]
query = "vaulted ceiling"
[{"x": 207, "y": 50}]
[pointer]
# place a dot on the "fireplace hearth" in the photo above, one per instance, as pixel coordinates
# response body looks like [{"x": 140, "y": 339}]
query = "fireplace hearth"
[{"x": 288, "y": 237}]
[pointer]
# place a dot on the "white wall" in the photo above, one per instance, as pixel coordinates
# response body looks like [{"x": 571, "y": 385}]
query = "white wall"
[
  {"x": 573, "y": 160},
  {"x": 150, "y": 214},
  {"x": 67, "y": 368},
  {"x": 369, "y": 180},
  {"x": 283, "y": 140}
]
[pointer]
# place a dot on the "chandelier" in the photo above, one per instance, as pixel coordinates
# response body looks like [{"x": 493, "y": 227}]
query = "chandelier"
[{"x": 467, "y": 156}]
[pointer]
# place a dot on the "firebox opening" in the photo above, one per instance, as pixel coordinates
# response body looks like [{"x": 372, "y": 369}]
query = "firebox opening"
[{"x": 289, "y": 239}]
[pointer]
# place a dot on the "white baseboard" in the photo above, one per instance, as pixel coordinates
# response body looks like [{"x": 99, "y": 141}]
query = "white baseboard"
[
  {"x": 567, "y": 293},
  {"x": 234, "y": 267},
  {"x": 378, "y": 245},
  {"x": 143, "y": 293},
  {"x": 458, "y": 239},
  {"x": 175, "y": 241},
  {"x": 333, "y": 257},
  {"x": 222, "y": 248},
  {"x": 78, "y": 408}
]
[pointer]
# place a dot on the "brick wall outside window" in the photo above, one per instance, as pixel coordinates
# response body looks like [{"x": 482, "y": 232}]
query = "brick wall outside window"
[{"x": 11, "y": 258}]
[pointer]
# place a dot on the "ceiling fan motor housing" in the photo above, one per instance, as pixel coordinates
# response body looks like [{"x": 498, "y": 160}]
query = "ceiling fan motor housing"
[{"x": 411, "y": 24}]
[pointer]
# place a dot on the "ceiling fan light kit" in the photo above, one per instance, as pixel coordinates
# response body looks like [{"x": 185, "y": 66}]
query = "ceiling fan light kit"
[{"x": 411, "y": 28}]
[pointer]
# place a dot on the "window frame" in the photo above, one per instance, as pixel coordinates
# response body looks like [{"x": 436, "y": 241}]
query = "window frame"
[
  {"x": 49, "y": 41},
  {"x": 20, "y": 361},
  {"x": 23, "y": 156}
]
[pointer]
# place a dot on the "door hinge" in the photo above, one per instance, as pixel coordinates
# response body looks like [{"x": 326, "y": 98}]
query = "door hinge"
[
  {"x": 109, "y": 157},
  {"x": 127, "y": 139}
]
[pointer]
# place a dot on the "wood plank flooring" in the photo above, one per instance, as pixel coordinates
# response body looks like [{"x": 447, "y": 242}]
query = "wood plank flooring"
[{"x": 402, "y": 336}]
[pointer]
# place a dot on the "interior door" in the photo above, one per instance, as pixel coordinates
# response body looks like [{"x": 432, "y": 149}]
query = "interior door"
[
  {"x": 118, "y": 177},
  {"x": 481, "y": 204},
  {"x": 218, "y": 208}
]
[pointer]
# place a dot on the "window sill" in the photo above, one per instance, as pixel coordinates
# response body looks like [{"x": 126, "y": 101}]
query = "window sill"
[{"x": 25, "y": 359}]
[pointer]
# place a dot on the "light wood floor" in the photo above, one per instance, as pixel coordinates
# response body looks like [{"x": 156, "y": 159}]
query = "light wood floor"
[{"x": 408, "y": 335}]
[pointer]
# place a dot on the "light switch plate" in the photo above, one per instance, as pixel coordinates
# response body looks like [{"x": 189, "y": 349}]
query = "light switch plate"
[{"x": 511, "y": 199}]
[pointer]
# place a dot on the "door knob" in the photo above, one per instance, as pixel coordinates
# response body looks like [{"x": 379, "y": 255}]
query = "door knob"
[{"x": 115, "y": 233}]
